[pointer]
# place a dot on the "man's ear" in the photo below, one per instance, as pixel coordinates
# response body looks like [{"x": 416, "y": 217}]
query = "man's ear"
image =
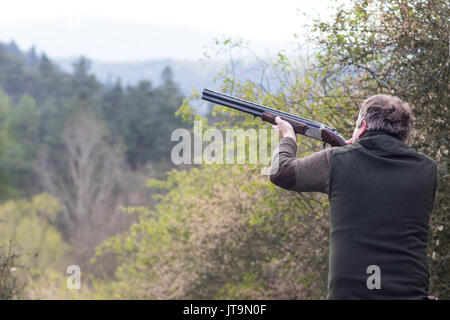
[{"x": 362, "y": 129}]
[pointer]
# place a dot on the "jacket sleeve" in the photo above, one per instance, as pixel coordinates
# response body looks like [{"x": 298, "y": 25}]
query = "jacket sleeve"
[{"x": 306, "y": 174}]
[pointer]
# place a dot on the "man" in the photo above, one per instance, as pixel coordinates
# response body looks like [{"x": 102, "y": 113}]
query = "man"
[{"x": 381, "y": 194}]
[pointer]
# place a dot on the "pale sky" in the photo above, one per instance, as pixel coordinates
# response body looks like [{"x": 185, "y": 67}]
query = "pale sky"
[{"x": 255, "y": 20}]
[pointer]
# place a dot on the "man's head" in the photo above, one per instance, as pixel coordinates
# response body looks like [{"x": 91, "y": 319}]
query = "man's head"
[{"x": 384, "y": 112}]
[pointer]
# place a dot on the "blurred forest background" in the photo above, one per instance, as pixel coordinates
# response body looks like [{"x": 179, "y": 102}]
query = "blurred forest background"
[{"x": 86, "y": 176}]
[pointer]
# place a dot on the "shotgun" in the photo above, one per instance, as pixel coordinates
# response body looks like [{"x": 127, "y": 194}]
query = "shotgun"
[{"x": 301, "y": 125}]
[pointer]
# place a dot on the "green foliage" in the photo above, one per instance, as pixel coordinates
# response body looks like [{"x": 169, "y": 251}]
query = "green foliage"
[
  {"x": 140, "y": 117},
  {"x": 213, "y": 233},
  {"x": 12, "y": 72},
  {"x": 83, "y": 84},
  {"x": 69, "y": 135},
  {"x": 31, "y": 225},
  {"x": 19, "y": 137},
  {"x": 143, "y": 118},
  {"x": 5, "y": 189},
  {"x": 224, "y": 231},
  {"x": 28, "y": 227},
  {"x": 10, "y": 287}
]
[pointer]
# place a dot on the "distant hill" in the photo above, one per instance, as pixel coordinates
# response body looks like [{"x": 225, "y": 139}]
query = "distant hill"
[
  {"x": 145, "y": 49},
  {"x": 188, "y": 74}
]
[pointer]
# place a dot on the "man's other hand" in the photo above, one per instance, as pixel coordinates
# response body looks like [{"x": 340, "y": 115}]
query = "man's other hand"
[{"x": 284, "y": 129}]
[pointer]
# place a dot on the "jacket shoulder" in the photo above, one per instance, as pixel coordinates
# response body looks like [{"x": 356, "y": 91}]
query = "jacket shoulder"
[{"x": 345, "y": 149}]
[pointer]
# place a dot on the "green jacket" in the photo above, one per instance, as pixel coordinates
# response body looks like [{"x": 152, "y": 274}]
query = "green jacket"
[{"x": 381, "y": 194}]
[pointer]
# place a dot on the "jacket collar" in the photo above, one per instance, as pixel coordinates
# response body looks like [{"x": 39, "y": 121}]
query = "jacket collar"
[
  {"x": 381, "y": 140},
  {"x": 378, "y": 132}
]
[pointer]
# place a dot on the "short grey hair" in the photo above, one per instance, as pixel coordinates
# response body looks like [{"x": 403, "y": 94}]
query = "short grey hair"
[{"x": 388, "y": 113}]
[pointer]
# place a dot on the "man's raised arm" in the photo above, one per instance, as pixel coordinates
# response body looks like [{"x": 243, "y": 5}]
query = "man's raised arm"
[{"x": 303, "y": 175}]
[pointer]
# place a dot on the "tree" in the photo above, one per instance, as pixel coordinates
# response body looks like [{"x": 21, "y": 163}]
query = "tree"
[
  {"x": 13, "y": 73},
  {"x": 89, "y": 178},
  {"x": 50, "y": 84},
  {"x": 23, "y": 124},
  {"x": 10, "y": 288},
  {"x": 18, "y": 137},
  {"x": 113, "y": 109},
  {"x": 32, "y": 57},
  {"x": 143, "y": 116},
  {"x": 6, "y": 190},
  {"x": 84, "y": 85}
]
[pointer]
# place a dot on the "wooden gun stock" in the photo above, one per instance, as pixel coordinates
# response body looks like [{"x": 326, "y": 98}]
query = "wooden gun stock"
[
  {"x": 334, "y": 139},
  {"x": 299, "y": 127}
]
